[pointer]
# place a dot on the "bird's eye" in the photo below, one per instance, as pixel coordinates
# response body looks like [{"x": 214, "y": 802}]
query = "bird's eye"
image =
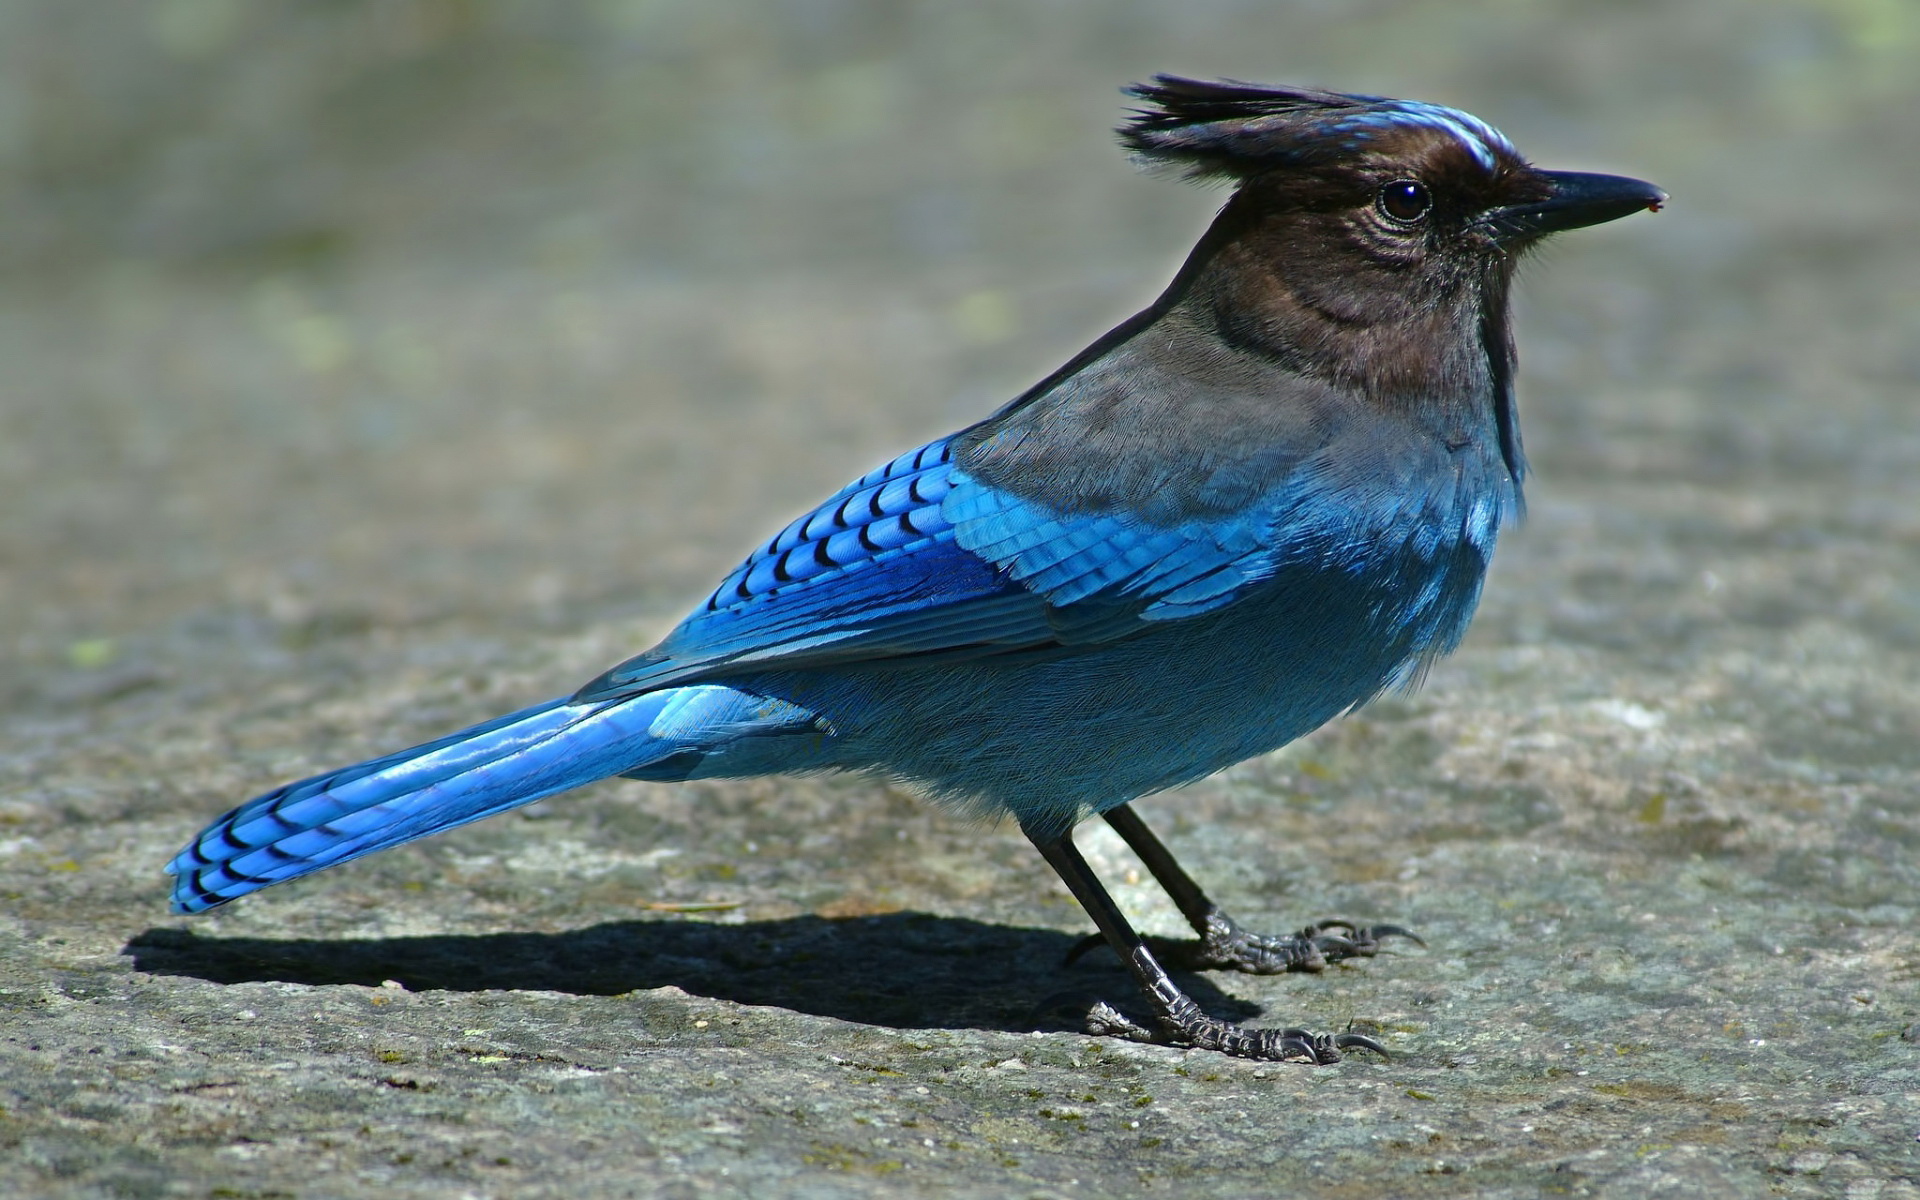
[{"x": 1404, "y": 201}]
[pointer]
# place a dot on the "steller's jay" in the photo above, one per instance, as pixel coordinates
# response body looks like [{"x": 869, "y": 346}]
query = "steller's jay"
[{"x": 1245, "y": 511}]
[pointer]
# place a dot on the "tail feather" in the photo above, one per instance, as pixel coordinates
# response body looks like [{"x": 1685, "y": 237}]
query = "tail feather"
[
  {"x": 675, "y": 733},
  {"x": 489, "y": 768}
]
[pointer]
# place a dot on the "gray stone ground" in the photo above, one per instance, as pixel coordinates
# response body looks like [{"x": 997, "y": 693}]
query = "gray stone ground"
[{"x": 337, "y": 417}]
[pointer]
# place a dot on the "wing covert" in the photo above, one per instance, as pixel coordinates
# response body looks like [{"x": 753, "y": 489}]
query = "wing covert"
[{"x": 918, "y": 558}]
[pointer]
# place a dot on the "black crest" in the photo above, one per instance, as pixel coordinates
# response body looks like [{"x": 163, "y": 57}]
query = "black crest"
[{"x": 1231, "y": 129}]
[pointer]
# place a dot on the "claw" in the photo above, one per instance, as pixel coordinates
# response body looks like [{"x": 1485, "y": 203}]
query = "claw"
[
  {"x": 1358, "y": 940},
  {"x": 1322, "y": 1049},
  {"x": 1301, "y": 1045},
  {"x": 1376, "y": 932},
  {"x": 1359, "y": 1041}
]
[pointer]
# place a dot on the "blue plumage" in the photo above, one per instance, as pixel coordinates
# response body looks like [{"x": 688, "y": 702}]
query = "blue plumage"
[{"x": 1256, "y": 505}]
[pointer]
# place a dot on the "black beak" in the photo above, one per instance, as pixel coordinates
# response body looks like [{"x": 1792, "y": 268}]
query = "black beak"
[{"x": 1577, "y": 200}]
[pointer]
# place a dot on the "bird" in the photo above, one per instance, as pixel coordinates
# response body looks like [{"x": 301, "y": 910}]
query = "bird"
[{"x": 1258, "y": 504}]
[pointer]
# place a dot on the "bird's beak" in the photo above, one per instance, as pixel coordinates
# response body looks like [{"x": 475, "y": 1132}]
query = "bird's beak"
[{"x": 1577, "y": 199}]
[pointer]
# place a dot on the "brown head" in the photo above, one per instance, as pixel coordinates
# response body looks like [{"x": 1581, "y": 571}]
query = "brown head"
[{"x": 1369, "y": 242}]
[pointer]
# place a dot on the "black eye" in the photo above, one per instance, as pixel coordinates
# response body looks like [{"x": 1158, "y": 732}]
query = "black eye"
[{"x": 1404, "y": 200}]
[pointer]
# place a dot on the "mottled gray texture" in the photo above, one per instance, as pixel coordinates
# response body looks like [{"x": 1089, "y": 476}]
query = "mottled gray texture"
[{"x": 338, "y": 416}]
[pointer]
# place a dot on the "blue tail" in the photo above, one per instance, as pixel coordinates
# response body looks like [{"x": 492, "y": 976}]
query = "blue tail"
[{"x": 492, "y": 767}]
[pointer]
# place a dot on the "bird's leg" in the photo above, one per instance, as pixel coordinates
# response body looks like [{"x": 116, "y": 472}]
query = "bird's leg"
[
  {"x": 1180, "y": 1020},
  {"x": 1222, "y": 942}
]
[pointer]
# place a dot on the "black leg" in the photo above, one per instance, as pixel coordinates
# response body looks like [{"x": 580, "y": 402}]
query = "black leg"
[
  {"x": 1223, "y": 943},
  {"x": 1180, "y": 1019}
]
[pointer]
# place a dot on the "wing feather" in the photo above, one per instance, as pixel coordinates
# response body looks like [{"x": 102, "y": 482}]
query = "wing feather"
[{"x": 917, "y": 558}]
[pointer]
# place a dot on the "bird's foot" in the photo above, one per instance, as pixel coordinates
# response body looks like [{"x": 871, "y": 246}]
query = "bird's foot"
[
  {"x": 1185, "y": 1025},
  {"x": 1224, "y": 945}
]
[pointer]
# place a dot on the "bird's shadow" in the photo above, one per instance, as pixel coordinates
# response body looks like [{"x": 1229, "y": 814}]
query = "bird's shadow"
[{"x": 903, "y": 970}]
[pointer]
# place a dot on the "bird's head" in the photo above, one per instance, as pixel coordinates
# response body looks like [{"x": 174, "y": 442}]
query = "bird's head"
[
  {"x": 1410, "y": 189},
  {"x": 1369, "y": 241}
]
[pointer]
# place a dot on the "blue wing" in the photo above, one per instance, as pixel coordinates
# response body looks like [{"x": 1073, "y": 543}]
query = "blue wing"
[
  {"x": 917, "y": 558},
  {"x": 1156, "y": 572}
]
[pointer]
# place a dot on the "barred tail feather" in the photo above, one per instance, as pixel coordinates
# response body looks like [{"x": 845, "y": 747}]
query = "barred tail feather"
[{"x": 500, "y": 764}]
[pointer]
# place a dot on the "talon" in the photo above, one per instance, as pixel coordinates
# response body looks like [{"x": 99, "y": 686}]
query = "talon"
[
  {"x": 1300, "y": 1045},
  {"x": 1359, "y": 1041},
  {"x": 1354, "y": 941},
  {"x": 1376, "y": 932}
]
